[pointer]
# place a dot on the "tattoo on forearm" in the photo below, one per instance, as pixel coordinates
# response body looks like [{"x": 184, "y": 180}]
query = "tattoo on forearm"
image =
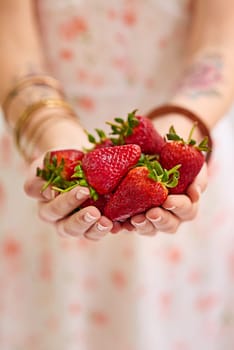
[{"x": 203, "y": 78}]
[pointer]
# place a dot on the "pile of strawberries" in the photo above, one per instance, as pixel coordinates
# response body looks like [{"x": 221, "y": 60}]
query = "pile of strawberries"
[{"x": 129, "y": 171}]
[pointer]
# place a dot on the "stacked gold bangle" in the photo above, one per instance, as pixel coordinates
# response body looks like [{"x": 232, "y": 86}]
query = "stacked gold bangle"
[
  {"x": 28, "y": 113},
  {"x": 54, "y": 99},
  {"x": 29, "y": 81}
]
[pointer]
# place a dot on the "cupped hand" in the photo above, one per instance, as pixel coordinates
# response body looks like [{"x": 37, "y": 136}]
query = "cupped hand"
[
  {"x": 175, "y": 210},
  {"x": 60, "y": 210}
]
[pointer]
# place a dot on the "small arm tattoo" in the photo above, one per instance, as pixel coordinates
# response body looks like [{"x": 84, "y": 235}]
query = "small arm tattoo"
[{"x": 202, "y": 78}]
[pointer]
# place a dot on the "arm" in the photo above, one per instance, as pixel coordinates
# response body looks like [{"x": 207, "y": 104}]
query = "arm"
[
  {"x": 207, "y": 88},
  {"x": 20, "y": 55}
]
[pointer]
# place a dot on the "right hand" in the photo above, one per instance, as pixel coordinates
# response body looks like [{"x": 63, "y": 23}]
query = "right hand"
[{"x": 57, "y": 209}]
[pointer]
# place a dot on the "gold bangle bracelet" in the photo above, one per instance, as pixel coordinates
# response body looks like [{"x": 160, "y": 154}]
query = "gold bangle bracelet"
[
  {"x": 28, "y": 114},
  {"x": 34, "y": 136},
  {"x": 27, "y": 81}
]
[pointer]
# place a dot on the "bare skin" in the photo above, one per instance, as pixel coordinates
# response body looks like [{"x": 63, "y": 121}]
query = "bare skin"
[{"x": 207, "y": 87}]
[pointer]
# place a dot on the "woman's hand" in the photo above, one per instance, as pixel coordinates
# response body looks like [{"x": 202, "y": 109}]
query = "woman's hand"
[
  {"x": 176, "y": 209},
  {"x": 88, "y": 222},
  {"x": 57, "y": 209}
]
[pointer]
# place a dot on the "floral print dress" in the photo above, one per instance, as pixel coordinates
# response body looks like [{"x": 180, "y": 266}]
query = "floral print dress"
[{"x": 127, "y": 292}]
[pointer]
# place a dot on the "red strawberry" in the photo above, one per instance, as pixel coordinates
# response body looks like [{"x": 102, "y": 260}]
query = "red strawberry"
[
  {"x": 103, "y": 168},
  {"x": 59, "y": 166},
  {"x": 99, "y": 203},
  {"x": 138, "y": 130},
  {"x": 185, "y": 153},
  {"x": 142, "y": 188}
]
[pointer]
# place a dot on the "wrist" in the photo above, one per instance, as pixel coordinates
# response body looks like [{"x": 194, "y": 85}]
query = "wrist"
[
  {"x": 181, "y": 124},
  {"x": 53, "y": 129}
]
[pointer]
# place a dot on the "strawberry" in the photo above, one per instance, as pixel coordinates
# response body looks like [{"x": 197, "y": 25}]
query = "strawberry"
[
  {"x": 138, "y": 130},
  {"x": 103, "y": 168},
  {"x": 59, "y": 166},
  {"x": 99, "y": 203},
  {"x": 142, "y": 188},
  {"x": 186, "y": 153},
  {"x": 103, "y": 141}
]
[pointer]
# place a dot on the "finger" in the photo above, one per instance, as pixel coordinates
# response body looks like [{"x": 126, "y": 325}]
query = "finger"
[
  {"x": 33, "y": 188},
  {"x": 116, "y": 227},
  {"x": 199, "y": 185},
  {"x": 127, "y": 226},
  {"x": 181, "y": 206},
  {"x": 143, "y": 226},
  {"x": 77, "y": 224},
  {"x": 63, "y": 204},
  {"x": 163, "y": 220},
  {"x": 101, "y": 228}
]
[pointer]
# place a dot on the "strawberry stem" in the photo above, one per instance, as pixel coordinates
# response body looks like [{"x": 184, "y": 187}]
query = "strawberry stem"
[
  {"x": 173, "y": 136},
  {"x": 123, "y": 128},
  {"x": 79, "y": 175},
  {"x": 156, "y": 172}
]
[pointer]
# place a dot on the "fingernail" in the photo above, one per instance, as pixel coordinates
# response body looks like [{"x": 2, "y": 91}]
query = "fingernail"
[
  {"x": 89, "y": 218},
  {"x": 49, "y": 193},
  {"x": 156, "y": 219},
  {"x": 83, "y": 192},
  {"x": 139, "y": 224},
  {"x": 101, "y": 227},
  {"x": 170, "y": 208}
]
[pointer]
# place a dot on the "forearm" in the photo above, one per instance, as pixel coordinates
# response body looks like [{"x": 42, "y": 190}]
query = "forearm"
[
  {"x": 206, "y": 85},
  {"x": 20, "y": 49},
  {"x": 21, "y": 55}
]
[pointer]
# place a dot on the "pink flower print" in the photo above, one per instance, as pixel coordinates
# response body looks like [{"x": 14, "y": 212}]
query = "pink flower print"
[
  {"x": 90, "y": 283},
  {"x": 174, "y": 255},
  {"x": 86, "y": 102},
  {"x": 3, "y": 198},
  {"x": 165, "y": 299},
  {"x": 180, "y": 345},
  {"x": 206, "y": 302},
  {"x": 165, "y": 303},
  {"x": 82, "y": 75},
  {"x": 120, "y": 63},
  {"x": 194, "y": 276},
  {"x": 112, "y": 14},
  {"x": 128, "y": 252},
  {"x": 11, "y": 248},
  {"x": 66, "y": 54},
  {"x": 52, "y": 323},
  {"x": 120, "y": 38},
  {"x": 230, "y": 262},
  {"x": 74, "y": 309},
  {"x": 99, "y": 317},
  {"x": 119, "y": 279},
  {"x": 73, "y": 28},
  {"x": 45, "y": 267},
  {"x": 129, "y": 18},
  {"x": 97, "y": 81}
]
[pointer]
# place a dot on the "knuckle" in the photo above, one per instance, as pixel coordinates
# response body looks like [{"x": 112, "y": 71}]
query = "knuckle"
[
  {"x": 27, "y": 187},
  {"x": 71, "y": 201},
  {"x": 173, "y": 228},
  {"x": 48, "y": 213}
]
